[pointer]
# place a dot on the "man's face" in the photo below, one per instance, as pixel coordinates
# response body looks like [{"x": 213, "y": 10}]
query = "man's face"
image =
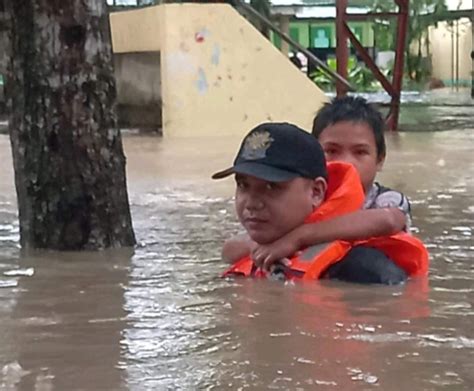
[
  {"x": 353, "y": 142},
  {"x": 269, "y": 210}
]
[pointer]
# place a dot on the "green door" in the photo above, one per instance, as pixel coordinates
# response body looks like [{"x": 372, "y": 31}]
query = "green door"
[{"x": 295, "y": 34}]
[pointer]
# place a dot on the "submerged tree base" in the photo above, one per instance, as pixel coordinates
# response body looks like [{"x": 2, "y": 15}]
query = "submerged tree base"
[{"x": 67, "y": 152}]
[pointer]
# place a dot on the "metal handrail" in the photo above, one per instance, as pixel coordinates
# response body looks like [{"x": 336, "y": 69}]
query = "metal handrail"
[{"x": 311, "y": 57}]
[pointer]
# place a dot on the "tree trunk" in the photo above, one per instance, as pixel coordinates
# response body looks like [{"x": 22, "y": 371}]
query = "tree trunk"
[{"x": 67, "y": 151}]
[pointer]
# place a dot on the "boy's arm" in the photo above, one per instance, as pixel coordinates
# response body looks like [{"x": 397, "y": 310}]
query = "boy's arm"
[
  {"x": 237, "y": 247},
  {"x": 396, "y": 200},
  {"x": 359, "y": 225}
]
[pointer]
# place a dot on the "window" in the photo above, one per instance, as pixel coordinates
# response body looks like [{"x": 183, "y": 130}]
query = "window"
[{"x": 320, "y": 37}]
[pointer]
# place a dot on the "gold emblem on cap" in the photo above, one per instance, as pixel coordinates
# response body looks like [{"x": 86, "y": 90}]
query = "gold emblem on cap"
[{"x": 256, "y": 145}]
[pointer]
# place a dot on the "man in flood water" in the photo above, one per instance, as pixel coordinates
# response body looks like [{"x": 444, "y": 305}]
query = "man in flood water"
[{"x": 282, "y": 183}]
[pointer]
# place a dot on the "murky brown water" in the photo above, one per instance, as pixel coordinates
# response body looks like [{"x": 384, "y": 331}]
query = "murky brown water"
[{"x": 160, "y": 318}]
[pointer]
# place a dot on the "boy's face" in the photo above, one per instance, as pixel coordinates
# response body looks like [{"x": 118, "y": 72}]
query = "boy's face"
[
  {"x": 269, "y": 210},
  {"x": 353, "y": 142}
]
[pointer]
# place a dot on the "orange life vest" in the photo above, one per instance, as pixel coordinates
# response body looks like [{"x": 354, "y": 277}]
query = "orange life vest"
[{"x": 344, "y": 195}]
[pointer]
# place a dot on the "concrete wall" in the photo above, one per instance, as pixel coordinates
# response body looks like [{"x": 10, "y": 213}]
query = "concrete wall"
[
  {"x": 137, "y": 30},
  {"x": 441, "y": 46},
  {"x": 138, "y": 78},
  {"x": 219, "y": 75},
  {"x": 138, "y": 89}
]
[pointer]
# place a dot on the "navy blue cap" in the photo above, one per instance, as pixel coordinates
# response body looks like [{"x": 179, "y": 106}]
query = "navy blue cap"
[{"x": 278, "y": 152}]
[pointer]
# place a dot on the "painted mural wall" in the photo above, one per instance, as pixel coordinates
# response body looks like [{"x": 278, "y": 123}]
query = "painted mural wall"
[{"x": 219, "y": 75}]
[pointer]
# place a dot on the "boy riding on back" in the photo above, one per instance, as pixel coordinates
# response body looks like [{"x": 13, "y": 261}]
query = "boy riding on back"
[
  {"x": 282, "y": 186},
  {"x": 350, "y": 130}
]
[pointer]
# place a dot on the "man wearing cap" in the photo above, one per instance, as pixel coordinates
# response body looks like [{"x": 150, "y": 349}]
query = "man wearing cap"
[
  {"x": 280, "y": 172},
  {"x": 282, "y": 182}
]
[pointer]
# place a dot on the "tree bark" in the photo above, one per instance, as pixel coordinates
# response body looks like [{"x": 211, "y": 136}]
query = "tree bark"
[{"x": 67, "y": 151}]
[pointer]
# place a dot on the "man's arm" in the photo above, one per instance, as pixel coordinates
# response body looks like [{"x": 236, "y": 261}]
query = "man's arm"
[{"x": 358, "y": 225}]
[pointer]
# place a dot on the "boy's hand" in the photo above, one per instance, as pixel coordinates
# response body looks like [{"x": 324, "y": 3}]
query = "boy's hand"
[
  {"x": 265, "y": 255},
  {"x": 237, "y": 247}
]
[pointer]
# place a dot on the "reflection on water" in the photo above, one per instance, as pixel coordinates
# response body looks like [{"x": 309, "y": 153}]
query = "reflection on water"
[
  {"x": 160, "y": 318},
  {"x": 64, "y": 320}
]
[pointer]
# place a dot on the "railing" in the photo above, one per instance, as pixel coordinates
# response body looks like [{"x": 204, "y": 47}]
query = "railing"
[
  {"x": 311, "y": 57},
  {"x": 251, "y": 11}
]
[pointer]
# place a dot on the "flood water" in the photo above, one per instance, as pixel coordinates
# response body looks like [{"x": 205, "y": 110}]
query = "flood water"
[{"x": 159, "y": 317}]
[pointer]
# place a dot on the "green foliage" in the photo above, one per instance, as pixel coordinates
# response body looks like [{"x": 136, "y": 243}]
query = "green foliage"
[{"x": 357, "y": 74}]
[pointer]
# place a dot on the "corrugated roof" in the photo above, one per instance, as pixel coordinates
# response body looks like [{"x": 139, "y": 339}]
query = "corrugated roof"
[
  {"x": 327, "y": 3},
  {"x": 312, "y": 11},
  {"x": 325, "y": 12}
]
